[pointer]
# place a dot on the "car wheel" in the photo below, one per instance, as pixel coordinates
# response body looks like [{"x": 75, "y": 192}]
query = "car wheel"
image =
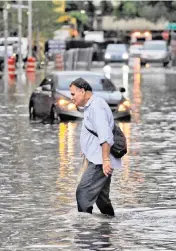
[
  {"x": 142, "y": 64},
  {"x": 32, "y": 114},
  {"x": 165, "y": 64},
  {"x": 54, "y": 117}
]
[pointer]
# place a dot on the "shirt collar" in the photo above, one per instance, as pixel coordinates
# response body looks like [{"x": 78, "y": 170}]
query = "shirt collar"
[{"x": 89, "y": 101}]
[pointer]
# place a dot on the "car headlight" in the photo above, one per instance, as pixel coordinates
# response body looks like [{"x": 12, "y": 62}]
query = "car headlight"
[
  {"x": 107, "y": 56},
  {"x": 124, "y": 106},
  {"x": 63, "y": 102},
  {"x": 72, "y": 107},
  {"x": 66, "y": 105},
  {"x": 125, "y": 56}
]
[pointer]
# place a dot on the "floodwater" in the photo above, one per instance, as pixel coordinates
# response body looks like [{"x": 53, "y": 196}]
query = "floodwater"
[{"x": 40, "y": 168}]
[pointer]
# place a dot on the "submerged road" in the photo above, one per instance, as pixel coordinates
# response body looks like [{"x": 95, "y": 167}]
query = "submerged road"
[{"x": 40, "y": 168}]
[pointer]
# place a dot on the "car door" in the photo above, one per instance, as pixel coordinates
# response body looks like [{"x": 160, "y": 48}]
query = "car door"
[{"x": 44, "y": 98}]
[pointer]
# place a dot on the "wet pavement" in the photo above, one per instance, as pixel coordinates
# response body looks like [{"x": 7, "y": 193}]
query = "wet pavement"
[{"x": 40, "y": 168}]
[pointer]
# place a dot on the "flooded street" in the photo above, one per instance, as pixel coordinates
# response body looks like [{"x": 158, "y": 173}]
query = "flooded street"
[{"x": 40, "y": 168}]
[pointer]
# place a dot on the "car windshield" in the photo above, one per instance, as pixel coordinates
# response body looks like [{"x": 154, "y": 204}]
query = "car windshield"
[
  {"x": 115, "y": 47},
  {"x": 155, "y": 46},
  {"x": 98, "y": 83}
]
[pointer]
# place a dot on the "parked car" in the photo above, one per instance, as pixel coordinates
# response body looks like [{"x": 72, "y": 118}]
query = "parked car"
[
  {"x": 155, "y": 51},
  {"x": 135, "y": 50},
  {"x": 13, "y": 42},
  {"x": 2, "y": 53},
  {"x": 116, "y": 53},
  {"x": 52, "y": 99}
]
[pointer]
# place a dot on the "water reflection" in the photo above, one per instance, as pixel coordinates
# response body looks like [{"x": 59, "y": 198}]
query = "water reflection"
[
  {"x": 69, "y": 158},
  {"x": 93, "y": 237},
  {"x": 137, "y": 97},
  {"x": 131, "y": 176}
]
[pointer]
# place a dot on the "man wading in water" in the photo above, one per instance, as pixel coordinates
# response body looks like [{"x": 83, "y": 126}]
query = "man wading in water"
[{"x": 94, "y": 186}]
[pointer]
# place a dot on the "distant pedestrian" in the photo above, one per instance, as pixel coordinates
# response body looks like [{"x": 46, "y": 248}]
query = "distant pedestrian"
[
  {"x": 35, "y": 50},
  {"x": 94, "y": 186}
]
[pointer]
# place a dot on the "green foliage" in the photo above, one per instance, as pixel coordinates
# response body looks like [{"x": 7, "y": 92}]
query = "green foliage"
[
  {"x": 127, "y": 9},
  {"x": 151, "y": 10},
  {"x": 81, "y": 17},
  {"x": 45, "y": 17},
  {"x": 130, "y": 9},
  {"x": 106, "y": 7}
]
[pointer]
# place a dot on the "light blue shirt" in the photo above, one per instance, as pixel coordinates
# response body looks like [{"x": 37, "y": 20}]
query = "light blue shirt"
[{"x": 98, "y": 117}]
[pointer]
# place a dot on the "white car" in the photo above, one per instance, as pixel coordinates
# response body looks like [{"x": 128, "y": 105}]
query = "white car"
[
  {"x": 155, "y": 51},
  {"x": 116, "y": 53}
]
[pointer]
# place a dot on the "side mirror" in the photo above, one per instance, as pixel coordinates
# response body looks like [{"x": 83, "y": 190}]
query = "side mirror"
[
  {"x": 122, "y": 89},
  {"x": 46, "y": 88}
]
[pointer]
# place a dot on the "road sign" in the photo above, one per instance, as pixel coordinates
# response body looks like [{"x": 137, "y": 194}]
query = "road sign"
[
  {"x": 171, "y": 26},
  {"x": 54, "y": 46}
]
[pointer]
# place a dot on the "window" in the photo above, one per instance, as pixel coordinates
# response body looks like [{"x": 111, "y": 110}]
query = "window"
[
  {"x": 154, "y": 46},
  {"x": 97, "y": 82},
  {"x": 107, "y": 85},
  {"x": 116, "y": 47}
]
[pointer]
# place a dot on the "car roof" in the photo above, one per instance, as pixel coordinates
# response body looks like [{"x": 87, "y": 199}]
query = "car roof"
[{"x": 76, "y": 73}]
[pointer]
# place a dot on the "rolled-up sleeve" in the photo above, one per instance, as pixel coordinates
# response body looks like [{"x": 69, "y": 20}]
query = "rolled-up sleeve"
[{"x": 102, "y": 125}]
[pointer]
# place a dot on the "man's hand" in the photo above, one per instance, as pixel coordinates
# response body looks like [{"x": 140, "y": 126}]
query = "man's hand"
[{"x": 107, "y": 169}]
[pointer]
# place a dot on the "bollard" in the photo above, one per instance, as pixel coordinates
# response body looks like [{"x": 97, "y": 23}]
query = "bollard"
[
  {"x": 31, "y": 65},
  {"x": 11, "y": 67},
  {"x": 59, "y": 62}
]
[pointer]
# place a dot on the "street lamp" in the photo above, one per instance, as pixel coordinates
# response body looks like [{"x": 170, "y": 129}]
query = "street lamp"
[
  {"x": 5, "y": 16},
  {"x": 30, "y": 27}
]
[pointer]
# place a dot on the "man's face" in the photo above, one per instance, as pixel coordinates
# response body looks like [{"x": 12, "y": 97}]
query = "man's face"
[{"x": 77, "y": 95}]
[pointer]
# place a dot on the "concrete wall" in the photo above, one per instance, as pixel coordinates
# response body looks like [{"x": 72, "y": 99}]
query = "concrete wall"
[{"x": 111, "y": 23}]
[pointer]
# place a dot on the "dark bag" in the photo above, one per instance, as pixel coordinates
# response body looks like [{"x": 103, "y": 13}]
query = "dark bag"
[{"x": 119, "y": 148}]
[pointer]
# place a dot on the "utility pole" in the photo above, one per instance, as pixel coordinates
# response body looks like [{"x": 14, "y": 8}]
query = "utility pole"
[
  {"x": 19, "y": 36},
  {"x": 30, "y": 27},
  {"x": 5, "y": 16}
]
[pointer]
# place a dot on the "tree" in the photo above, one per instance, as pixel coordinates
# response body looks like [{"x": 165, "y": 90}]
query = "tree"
[
  {"x": 45, "y": 18},
  {"x": 151, "y": 10},
  {"x": 106, "y": 7},
  {"x": 127, "y": 9}
]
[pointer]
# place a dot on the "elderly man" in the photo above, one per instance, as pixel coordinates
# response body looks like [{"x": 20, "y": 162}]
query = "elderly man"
[{"x": 94, "y": 186}]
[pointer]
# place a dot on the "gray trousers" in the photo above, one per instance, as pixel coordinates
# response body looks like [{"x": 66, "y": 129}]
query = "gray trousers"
[{"x": 94, "y": 187}]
